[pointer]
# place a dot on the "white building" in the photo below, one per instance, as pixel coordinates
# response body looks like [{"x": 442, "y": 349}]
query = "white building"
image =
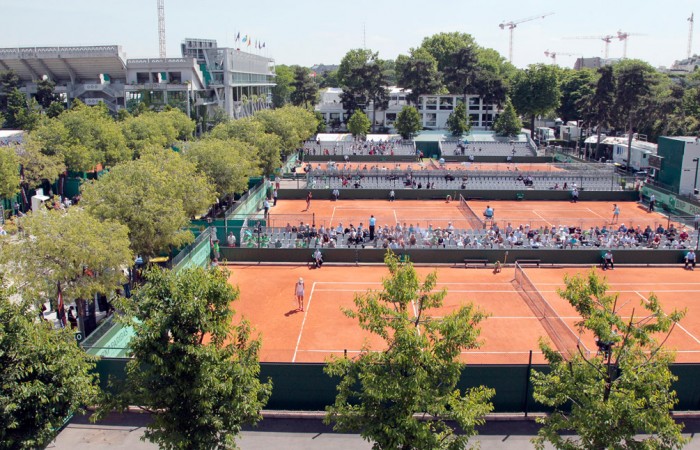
[{"x": 433, "y": 109}]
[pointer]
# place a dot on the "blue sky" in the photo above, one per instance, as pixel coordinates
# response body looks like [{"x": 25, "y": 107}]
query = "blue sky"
[{"x": 309, "y": 32}]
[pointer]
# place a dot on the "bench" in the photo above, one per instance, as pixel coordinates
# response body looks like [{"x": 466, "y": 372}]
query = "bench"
[
  {"x": 528, "y": 261},
  {"x": 475, "y": 262}
]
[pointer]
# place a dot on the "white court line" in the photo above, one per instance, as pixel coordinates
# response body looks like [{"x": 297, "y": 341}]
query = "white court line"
[
  {"x": 434, "y": 290},
  {"x": 471, "y": 352},
  {"x": 396, "y": 218},
  {"x": 540, "y": 216},
  {"x": 593, "y": 212},
  {"x": 301, "y": 330},
  {"x": 627, "y": 284},
  {"x": 330, "y": 224},
  {"x": 677, "y": 323},
  {"x": 439, "y": 283}
]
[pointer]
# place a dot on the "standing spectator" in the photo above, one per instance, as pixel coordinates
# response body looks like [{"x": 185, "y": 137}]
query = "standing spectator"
[
  {"x": 336, "y": 194},
  {"x": 652, "y": 202},
  {"x": 696, "y": 221},
  {"x": 308, "y": 201},
  {"x": 231, "y": 239},
  {"x": 266, "y": 207},
  {"x": 392, "y": 195},
  {"x": 274, "y": 197},
  {"x": 215, "y": 248},
  {"x": 616, "y": 213},
  {"x": 690, "y": 260},
  {"x": 608, "y": 260},
  {"x": 372, "y": 223},
  {"x": 299, "y": 294}
]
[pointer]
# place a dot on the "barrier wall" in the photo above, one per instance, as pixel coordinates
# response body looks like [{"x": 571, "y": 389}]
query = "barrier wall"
[
  {"x": 469, "y": 194},
  {"x": 304, "y": 386},
  {"x": 453, "y": 256}
]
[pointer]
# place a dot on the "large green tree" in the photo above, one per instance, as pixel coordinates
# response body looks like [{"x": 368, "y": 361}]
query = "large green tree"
[
  {"x": 45, "y": 94},
  {"x": 359, "y": 124},
  {"x": 408, "y": 122},
  {"x": 281, "y": 92},
  {"x": 536, "y": 92},
  {"x": 405, "y": 395},
  {"x": 195, "y": 371},
  {"x": 20, "y": 113},
  {"x": 305, "y": 89},
  {"x": 353, "y": 59},
  {"x": 45, "y": 377},
  {"x": 457, "y": 122},
  {"x": 265, "y": 147},
  {"x": 293, "y": 125},
  {"x": 227, "y": 163},
  {"x": 366, "y": 84},
  {"x": 576, "y": 85},
  {"x": 508, "y": 123},
  {"x": 419, "y": 73},
  {"x": 620, "y": 398},
  {"x": 9, "y": 172},
  {"x": 442, "y": 46},
  {"x": 635, "y": 80},
  {"x": 154, "y": 196},
  {"x": 599, "y": 104}
]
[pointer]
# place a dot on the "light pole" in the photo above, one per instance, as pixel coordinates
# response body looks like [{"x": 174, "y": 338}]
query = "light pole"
[{"x": 695, "y": 181}]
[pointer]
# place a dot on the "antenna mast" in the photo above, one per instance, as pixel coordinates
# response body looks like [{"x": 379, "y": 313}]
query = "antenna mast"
[
  {"x": 690, "y": 35},
  {"x": 161, "y": 28}
]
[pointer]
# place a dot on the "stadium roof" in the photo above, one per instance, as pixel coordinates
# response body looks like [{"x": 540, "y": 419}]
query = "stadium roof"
[{"x": 64, "y": 64}]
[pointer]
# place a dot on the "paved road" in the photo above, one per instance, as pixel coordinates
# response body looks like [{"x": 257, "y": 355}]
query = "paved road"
[{"x": 125, "y": 431}]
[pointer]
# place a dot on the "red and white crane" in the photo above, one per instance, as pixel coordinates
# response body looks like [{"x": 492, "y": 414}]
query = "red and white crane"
[
  {"x": 606, "y": 38},
  {"x": 690, "y": 35},
  {"x": 513, "y": 24},
  {"x": 554, "y": 55},
  {"x": 623, "y": 36}
]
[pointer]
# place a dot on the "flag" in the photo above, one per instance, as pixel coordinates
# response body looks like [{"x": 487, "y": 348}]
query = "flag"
[
  {"x": 245, "y": 38},
  {"x": 61, "y": 309},
  {"x": 263, "y": 46},
  {"x": 238, "y": 36},
  {"x": 249, "y": 41}
]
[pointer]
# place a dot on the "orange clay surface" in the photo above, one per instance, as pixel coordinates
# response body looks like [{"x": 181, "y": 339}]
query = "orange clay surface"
[
  {"x": 433, "y": 165},
  {"x": 508, "y": 335},
  {"x": 439, "y": 213}
]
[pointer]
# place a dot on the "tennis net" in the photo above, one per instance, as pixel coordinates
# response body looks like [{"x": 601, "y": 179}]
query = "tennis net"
[
  {"x": 470, "y": 215},
  {"x": 559, "y": 332}
]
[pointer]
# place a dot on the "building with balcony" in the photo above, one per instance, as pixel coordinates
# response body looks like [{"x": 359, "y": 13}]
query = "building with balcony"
[{"x": 206, "y": 77}]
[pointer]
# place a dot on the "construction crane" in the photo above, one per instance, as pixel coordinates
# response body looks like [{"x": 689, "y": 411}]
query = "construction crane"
[
  {"x": 514, "y": 23},
  {"x": 690, "y": 35},
  {"x": 621, "y": 35},
  {"x": 607, "y": 39},
  {"x": 554, "y": 55},
  {"x": 161, "y": 28}
]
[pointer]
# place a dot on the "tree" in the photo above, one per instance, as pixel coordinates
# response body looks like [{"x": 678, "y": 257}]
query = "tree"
[
  {"x": 408, "y": 122},
  {"x": 536, "y": 92},
  {"x": 575, "y": 86},
  {"x": 9, "y": 81},
  {"x": 56, "y": 108},
  {"x": 634, "y": 84},
  {"x": 9, "y": 172},
  {"x": 83, "y": 254},
  {"x": 281, "y": 92},
  {"x": 154, "y": 196},
  {"x": 381, "y": 393},
  {"x": 305, "y": 89},
  {"x": 148, "y": 129},
  {"x": 359, "y": 124},
  {"x": 457, "y": 121},
  {"x": 195, "y": 372},
  {"x": 45, "y": 93},
  {"x": 353, "y": 59},
  {"x": 624, "y": 390},
  {"x": 45, "y": 377},
  {"x": 329, "y": 79},
  {"x": 39, "y": 166},
  {"x": 264, "y": 147},
  {"x": 292, "y": 124},
  {"x": 508, "y": 123},
  {"x": 599, "y": 104},
  {"x": 227, "y": 164},
  {"x": 20, "y": 113},
  {"x": 419, "y": 73},
  {"x": 442, "y": 46}
]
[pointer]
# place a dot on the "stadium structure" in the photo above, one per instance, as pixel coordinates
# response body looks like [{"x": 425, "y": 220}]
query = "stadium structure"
[{"x": 209, "y": 76}]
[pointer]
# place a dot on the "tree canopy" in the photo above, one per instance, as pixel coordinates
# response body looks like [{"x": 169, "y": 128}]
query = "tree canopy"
[
  {"x": 405, "y": 395},
  {"x": 408, "y": 122},
  {"x": 195, "y": 372},
  {"x": 359, "y": 124},
  {"x": 154, "y": 196},
  {"x": 227, "y": 163},
  {"x": 536, "y": 91},
  {"x": 305, "y": 91},
  {"x": 508, "y": 123},
  {"x": 45, "y": 377},
  {"x": 9, "y": 172},
  {"x": 622, "y": 396},
  {"x": 457, "y": 121}
]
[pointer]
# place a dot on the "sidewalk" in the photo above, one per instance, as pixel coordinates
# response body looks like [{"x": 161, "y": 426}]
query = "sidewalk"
[{"x": 294, "y": 433}]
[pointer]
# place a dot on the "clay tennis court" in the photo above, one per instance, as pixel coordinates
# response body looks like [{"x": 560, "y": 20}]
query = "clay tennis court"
[
  {"x": 512, "y": 330},
  {"x": 429, "y": 164},
  {"x": 438, "y": 213}
]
